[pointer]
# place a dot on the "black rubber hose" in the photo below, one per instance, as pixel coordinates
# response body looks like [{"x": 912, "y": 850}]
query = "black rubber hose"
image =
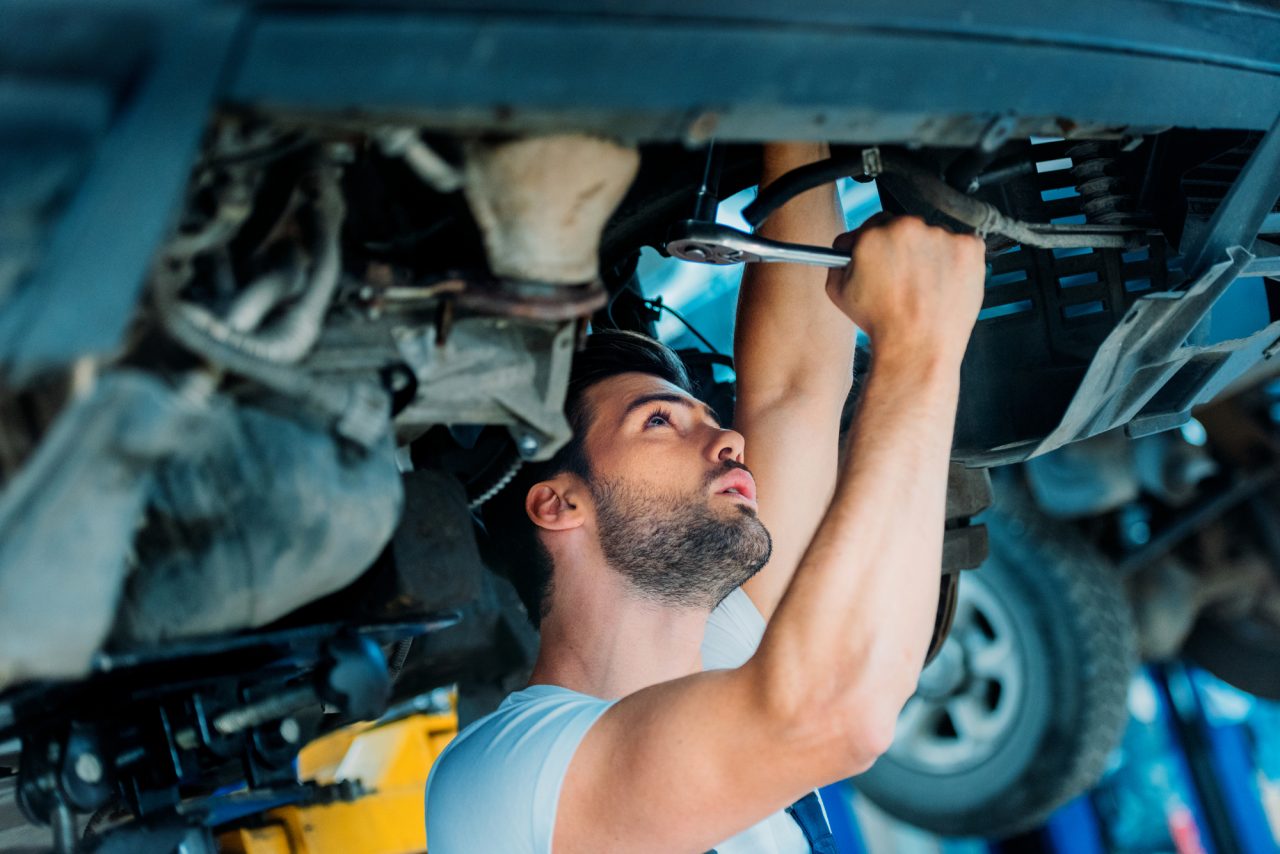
[
  {"x": 797, "y": 181},
  {"x": 924, "y": 183},
  {"x": 928, "y": 186}
]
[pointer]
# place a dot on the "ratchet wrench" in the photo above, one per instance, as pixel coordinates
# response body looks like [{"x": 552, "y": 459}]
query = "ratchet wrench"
[{"x": 712, "y": 243}]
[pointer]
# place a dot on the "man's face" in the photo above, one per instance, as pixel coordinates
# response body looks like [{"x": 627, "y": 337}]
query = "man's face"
[{"x": 674, "y": 504}]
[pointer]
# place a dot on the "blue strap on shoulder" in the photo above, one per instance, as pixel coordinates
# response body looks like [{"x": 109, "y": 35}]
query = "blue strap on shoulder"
[
  {"x": 813, "y": 824},
  {"x": 807, "y": 812}
]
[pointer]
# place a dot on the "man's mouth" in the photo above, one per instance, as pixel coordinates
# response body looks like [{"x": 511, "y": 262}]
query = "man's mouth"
[{"x": 739, "y": 483}]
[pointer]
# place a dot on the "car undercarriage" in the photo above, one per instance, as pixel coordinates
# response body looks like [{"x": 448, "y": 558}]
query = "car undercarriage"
[{"x": 289, "y": 292}]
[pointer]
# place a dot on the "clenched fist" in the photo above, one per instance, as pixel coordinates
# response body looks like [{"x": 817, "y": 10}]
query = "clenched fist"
[{"x": 910, "y": 285}]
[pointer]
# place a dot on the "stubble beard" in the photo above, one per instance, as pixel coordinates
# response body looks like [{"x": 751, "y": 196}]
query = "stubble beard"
[{"x": 679, "y": 551}]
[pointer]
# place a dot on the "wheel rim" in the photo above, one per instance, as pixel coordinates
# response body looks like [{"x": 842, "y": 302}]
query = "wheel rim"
[{"x": 968, "y": 697}]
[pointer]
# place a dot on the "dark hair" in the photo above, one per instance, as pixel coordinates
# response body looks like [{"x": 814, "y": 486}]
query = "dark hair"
[{"x": 512, "y": 542}]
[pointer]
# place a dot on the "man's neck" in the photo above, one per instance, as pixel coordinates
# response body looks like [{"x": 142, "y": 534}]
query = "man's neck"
[{"x": 616, "y": 647}]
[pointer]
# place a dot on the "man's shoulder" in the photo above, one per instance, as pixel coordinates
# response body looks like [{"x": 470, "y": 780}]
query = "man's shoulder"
[
  {"x": 526, "y": 718},
  {"x": 498, "y": 782}
]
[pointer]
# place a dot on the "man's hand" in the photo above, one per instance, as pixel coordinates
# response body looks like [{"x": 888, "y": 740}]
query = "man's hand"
[{"x": 910, "y": 283}]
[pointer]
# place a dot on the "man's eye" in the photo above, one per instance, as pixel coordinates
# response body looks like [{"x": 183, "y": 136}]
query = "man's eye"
[{"x": 658, "y": 419}]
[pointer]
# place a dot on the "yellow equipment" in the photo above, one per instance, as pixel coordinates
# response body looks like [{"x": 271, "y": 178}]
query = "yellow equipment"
[{"x": 391, "y": 761}]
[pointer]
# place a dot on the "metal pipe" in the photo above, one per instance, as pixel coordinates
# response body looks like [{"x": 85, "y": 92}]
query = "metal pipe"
[
  {"x": 433, "y": 169},
  {"x": 256, "y": 301},
  {"x": 293, "y": 337},
  {"x": 263, "y": 711},
  {"x": 353, "y": 409},
  {"x": 1197, "y": 517},
  {"x": 64, "y": 828}
]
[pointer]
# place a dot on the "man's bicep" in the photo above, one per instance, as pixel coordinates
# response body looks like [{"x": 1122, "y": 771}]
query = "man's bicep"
[
  {"x": 679, "y": 766},
  {"x": 792, "y": 449}
]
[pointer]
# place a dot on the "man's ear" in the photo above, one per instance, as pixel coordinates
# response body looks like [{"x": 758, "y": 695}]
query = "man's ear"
[{"x": 555, "y": 505}]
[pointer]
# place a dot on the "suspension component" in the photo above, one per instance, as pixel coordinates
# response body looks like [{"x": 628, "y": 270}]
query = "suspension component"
[{"x": 1107, "y": 197}]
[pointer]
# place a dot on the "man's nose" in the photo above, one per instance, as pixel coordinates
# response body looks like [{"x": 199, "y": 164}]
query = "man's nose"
[{"x": 729, "y": 445}]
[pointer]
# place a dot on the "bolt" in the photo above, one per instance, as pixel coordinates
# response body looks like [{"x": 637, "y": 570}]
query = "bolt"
[
  {"x": 527, "y": 445},
  {"x": 290, "y": 731},
  {"x": 1139, "y": 533},
  {"x": 996, "y": 133},
  {"x": 89, "y": 768}
]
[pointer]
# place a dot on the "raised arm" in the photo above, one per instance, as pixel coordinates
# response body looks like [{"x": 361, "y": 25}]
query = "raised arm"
[
  {"x": 794, "y": 354},
  {"x": 686, "y": 764}
]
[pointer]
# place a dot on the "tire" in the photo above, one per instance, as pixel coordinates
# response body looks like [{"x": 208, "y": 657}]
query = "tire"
[
  {"x": 991, "y": 755},
  {"x": 1244, "y": 653}
]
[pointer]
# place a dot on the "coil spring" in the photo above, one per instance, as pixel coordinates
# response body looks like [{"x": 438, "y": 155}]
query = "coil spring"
[{"x": 1105, "y": 195}]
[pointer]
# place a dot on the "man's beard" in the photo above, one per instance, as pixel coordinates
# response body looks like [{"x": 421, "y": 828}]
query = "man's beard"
[{"x": 676, "y": 550}]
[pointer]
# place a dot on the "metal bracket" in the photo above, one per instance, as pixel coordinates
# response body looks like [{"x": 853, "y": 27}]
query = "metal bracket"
[
  {"x": 871, "y": 164},
  {"x": 1238, "y": 219}
]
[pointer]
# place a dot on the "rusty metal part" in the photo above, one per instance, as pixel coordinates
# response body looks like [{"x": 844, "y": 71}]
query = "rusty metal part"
[
  {"x": 420, "y": 293},
  {"x": 504, "y": 298},
  {"x": 533, "y": 300},
  {"x": 542, "y": 203}
]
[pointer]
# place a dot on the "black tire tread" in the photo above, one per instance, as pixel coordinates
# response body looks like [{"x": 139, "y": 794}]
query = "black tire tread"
[
  {"x": 1094, "y": 600},
  {"x": 1094, "y": 617}
]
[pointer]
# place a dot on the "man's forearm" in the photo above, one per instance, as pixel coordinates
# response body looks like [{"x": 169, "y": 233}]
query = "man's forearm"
[
  {"x": 854, "y": 626},
  {"x": 794, "y": 352},
  {"x": 789, "y": 337}
]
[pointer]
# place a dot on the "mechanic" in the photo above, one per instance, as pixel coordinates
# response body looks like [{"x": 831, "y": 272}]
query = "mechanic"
[{"x": 661, "y": 714}]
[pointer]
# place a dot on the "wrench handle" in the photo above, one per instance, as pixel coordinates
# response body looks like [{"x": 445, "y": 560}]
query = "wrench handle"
[{"x": 713, "y": 243}]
